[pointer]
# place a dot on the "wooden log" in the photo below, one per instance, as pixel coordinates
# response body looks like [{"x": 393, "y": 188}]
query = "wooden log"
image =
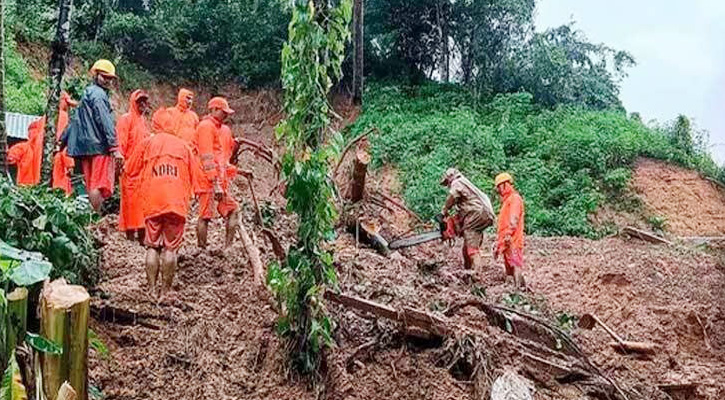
[
  {"x": 646, "y": 236},
  {"x": 366, "y": 234},
  {"x": 253, "y": 255},
  {"x": 66, "y": 392},
  {"x": 112, "y": 314},
  {"x": 17, "y": 317},
  {"x": 258, "y": 211},
  {"x": 359, "y": 171},
  {"x": 628, "y": 347},
  {"x": 64, "y": 313}
]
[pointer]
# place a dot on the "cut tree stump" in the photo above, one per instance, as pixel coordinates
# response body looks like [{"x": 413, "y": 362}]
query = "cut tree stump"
[
  {"x": 64, "y": 313},
  {"x": 66, "y": 392},
  {"x": 17, "y": 317},
  {"x": 359, "y": 171},
  {"x": 646, "y": 236},
  {"x": 366, "y": 233}
]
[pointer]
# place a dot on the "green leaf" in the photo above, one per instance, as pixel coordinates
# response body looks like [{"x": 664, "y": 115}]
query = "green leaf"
[
  {"x": 95, "y": 393},
  {"x": 12, "y": 383},
  {"x": 31, "y": 272},
  {"x": 42, "y": 344},
  {"x": 97, "y": 344},
  {"x": 40, "y": 222}
]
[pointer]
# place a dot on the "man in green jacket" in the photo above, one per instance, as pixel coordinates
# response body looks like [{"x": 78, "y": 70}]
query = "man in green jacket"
[{"x": 91, "y": 136}]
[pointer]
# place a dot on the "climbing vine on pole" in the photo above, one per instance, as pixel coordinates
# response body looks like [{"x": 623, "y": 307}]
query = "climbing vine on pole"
[{"x": 311, "y": 62}]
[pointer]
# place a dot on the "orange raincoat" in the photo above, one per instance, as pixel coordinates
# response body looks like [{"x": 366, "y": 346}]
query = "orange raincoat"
[
  {"x": 28, "y": 155},
  {"x": 169, "y": 173},
  {"x": 63, "y": 164},
  {"x": 185, "y": 120},
  {"x": 511, "y": 225},
  {"x": 131, "y": 130}
]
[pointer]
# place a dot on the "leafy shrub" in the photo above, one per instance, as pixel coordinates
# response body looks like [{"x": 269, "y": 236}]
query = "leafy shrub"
[
  {"x": 37, "y": 219},
  {"x": 565, "y": 161},
  {"x": 23, "y": 93}
]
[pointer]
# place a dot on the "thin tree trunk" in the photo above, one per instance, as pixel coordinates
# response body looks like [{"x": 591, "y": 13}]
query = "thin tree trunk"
[
  {"x": 358, "y": 37},
  {"x": 56, "y": 70},
  {"x": 3, "y": 132},
  {"x": 445, "y": 56},
  {"x": 64, "y": 313}
]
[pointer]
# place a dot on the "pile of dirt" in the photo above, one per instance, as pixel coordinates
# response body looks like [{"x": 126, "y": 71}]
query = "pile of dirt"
[{"x": 691, "y": 205}]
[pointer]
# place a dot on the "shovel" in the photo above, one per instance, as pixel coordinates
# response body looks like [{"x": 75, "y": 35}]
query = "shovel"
[{"x": 588, "y": 321}]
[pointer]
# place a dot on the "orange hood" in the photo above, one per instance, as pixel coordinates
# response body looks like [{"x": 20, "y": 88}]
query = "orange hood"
[
  {"x": 181, "y": 101},
  {"x": 133, "y": 102},
  {"x": 161, "y": 122}
]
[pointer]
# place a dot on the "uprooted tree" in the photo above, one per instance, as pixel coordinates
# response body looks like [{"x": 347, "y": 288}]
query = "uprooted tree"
[{"x": 311, "y": 61}]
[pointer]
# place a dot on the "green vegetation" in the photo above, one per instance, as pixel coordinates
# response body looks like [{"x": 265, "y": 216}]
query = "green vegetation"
[
  {"x": 23, "y": 93},
  {"x": 565, "y": 161},
  {"x": 311, "y": 61},
  {"x": 47, "y": 222}
]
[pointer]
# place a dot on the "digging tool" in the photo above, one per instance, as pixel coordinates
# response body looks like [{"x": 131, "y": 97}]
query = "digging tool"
[
  {"x": 446, "y": 231},
  {"x": 588, "y": 321}
]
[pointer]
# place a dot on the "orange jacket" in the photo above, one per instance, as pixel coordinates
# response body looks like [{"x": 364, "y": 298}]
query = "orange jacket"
[
  {"x": 511, "y": 221},
  {"x": 185, "y": 120},
  {"x": 29, "y": 169},
  {"x": 169, "y": 174},
  {"x": 227, "y": 145},
  {"x": 209, "y": 146},
  {"x": 131, "y": 130},
  {"x": 131, "y": 127},
  {"x": 63, "y": 164},
  {"x": 21, "y": 155}
]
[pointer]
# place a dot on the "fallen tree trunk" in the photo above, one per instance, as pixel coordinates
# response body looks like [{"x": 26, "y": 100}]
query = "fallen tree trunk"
[
  {"x": 359, "y": 171},
  {"x": 420, "y": 319},
  {"x": 64, "y": 313},
  {"x": 646, "y": 236},
  {"x": 253, "y": 255},
  {"x": 112, "y": 314},
  {"x": 578, "y": 369}
]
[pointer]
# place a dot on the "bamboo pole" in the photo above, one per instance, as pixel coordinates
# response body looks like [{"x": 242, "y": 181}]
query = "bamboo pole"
[
  {"x": 64, "y": 315},
  {"x": 17, "y": 317}
]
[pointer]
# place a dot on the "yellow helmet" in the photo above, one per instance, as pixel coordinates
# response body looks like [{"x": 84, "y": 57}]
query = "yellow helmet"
[
  {"x": 503, "y": 177},
  {"x": 104, "y": 67}
]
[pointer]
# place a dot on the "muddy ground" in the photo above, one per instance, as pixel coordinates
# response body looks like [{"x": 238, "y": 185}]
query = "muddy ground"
[{"x": 217, "y": 340}]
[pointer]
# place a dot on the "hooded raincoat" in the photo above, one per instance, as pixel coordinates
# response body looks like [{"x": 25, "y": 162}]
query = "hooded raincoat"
[
  {"x": 63, "y": 164},
  {"x": 131, "y": 130},
  {"x": 511, "y": 225},
  {"x": 184, "y": 119}
]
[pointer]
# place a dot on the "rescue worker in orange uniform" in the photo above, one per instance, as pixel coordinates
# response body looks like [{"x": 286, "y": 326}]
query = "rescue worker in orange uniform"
[
  {"x": 131, "y": 130},
  {"x": 185, "y": 120},
  {"x": 28, "y": 155},
  {"x": 475, "y": 213},
  {"x": 63, "y": 164},
  {"x": 169, "y": 173},
  {"x": 510, "y": 241},
  {"x": 24, "y": 154},
  {"x": 215, "y": 163}
]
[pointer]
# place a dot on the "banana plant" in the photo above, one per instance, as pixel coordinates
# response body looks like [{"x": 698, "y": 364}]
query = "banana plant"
[{"x": 18, "y": 269}]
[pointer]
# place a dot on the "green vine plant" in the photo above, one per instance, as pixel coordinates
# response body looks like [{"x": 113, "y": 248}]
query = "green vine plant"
[{"x": 311, "y": 62}]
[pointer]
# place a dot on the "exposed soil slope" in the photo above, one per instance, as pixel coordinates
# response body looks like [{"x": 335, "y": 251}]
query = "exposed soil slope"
[
  {"x": 691, "y": 205},
  {"x": 217, "y": 341}
]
